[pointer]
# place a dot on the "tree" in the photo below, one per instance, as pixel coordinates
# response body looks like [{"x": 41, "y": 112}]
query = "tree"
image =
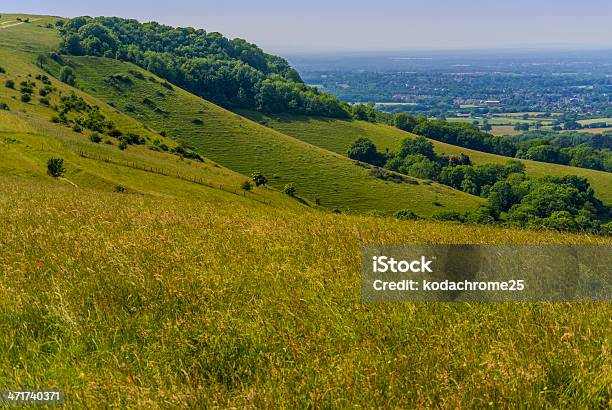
[
  {"x": 364, "y": 150},
  {"x": 67, "y": 75},
  {"x": 259, "y": 179},
  {"x": 405, "y": 122},
  {"x": 55, "y": 167},
  {"x": 41, "y": 59},
  {"x": 246, "y": 186},
  {"x": 290, "y": 189},
  {"x": 419, "y": 145}
]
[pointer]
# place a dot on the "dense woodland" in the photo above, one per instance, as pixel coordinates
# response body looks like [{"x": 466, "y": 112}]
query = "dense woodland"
[
  {"x": 513, "y": 198},
  {"x": 232, "y": 73}
]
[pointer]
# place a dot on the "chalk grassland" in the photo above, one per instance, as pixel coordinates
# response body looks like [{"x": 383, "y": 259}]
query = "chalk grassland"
[
  {"x": 338, "y": 135},
  {"x": 176, "y": 294},
  {"x": 246, "y": 147},
  {"x": 149, "y": 302}
]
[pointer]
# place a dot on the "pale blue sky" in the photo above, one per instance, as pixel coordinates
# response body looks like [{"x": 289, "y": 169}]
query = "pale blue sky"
[{"x": 383, "y": 25}]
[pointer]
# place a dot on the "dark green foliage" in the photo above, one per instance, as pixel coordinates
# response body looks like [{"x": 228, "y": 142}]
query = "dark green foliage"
[
  {"x": 136, "y": 74},
  {"x": 448, "y": 216},
  {"x": 120, "y": 189},
  {"x": 132, "y": 139},
  {"x": 229, "y": 72},
  {"x": 55, "y": 167},
  {"x": 363, "y": 149},
  {"x": 95, "y": 138},
  {"x": 290, "y": 189},
  {"x": 197, "y": 121},
  {"x": 44, "y": 101},
  {"x": 122, "y": 145},
  {"x": 119, "y": 81},
  {"x": 43, "y": 79},
  {"x": 67, "y": 75},
  {"x": 2, "y": 70},
  {"x": 10, "y": 84},
  {"x": 4, "y": 106},
  {"x": 25, "y": 98},
  {"x": 46, "y": 90},
  {"x": 385, "y": 175},
  {"x": 406, "y": 214},
  {"x": 246, "y": 186},
  {"x": 586, "y": 151},
  {"x": 259, "y": 179},
  {"x": 185, "y": 152}
]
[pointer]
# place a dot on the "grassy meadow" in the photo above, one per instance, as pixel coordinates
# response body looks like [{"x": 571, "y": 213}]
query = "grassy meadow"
[
  {"x": 338, "y": 135},
  {"x": 140, "y": 279},
  {"x": 150, "y": 302}
]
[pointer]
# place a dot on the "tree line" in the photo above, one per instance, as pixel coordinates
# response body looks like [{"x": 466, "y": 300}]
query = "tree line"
[
  {"x": 232, "y": 73},
  {"x": 513, "y": 199}
]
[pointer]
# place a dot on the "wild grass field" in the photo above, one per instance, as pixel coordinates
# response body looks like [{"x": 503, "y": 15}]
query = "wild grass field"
[
  {"x": 150, "y": 302},
  {"x": 178, "y": 291},
  {"x": 338, "y": 135}
]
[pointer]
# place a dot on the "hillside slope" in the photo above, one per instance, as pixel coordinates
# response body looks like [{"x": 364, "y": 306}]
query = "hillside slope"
[
  {"x": 156, "y": 302},
  {"x": 338, "y": 135},
  {"x": 246, "y": 147},
  {"x": 28, "y": 138}
]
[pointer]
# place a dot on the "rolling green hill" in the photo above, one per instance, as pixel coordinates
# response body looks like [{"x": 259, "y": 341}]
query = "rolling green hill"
[
  {"x": 246, "y": 147},
  {"x": 180, "y": 291},
  {"x": 320, "y": 176},
  {"x": 337, "y": 135}
]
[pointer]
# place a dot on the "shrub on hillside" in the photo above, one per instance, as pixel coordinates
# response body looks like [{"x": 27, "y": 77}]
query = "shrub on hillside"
[
  {"x": 55, "y": 167},
  {"x": 5, "y": 107},
  {"x": 10, "y": 84},
  {"x": 67, "y": 75},
  {"x": 246, "y": 185},
  {"x": 95, "y": 138},
  {"x": 290, "y": 189},
  {"x": 406, "y": 214},
  {"x": 122, "y": 145},
  {"x": 447, "y": 216},
  {"x": 259, "y": 179},
  {"x": 25, "y": 98},
  {"x": 2, "y": 70}
]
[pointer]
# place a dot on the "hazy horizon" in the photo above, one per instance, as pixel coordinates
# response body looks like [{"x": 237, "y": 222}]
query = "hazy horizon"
[{"x": 369, "y": 27}]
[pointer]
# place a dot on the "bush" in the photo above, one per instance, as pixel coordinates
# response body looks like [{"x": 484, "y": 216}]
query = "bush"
[
  {"x": 406, "y": 214},
  {"x": 246, "y": 185},
  {"x": 95, "y": 138},
  {"x": 259, "y": 179},
  {"x": 77, "y": 128},
  {"x": 67, "y": 75},
  {"x": 43, "y": 101},
  {"x": 364, "y": 150},
  {"x": 290, "y": 189},
  {"x": 120, "y": 188},
  {"x": 10, "y": 84},
  {"x": 25, "y": 98},
  {"x": 447, "y": 216},
  {"x": 4, "y": 106},
  {"x": 55, "y": 167},
  {"x": 2, "y": 70},
  {"x": 122, "y": 145}
]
